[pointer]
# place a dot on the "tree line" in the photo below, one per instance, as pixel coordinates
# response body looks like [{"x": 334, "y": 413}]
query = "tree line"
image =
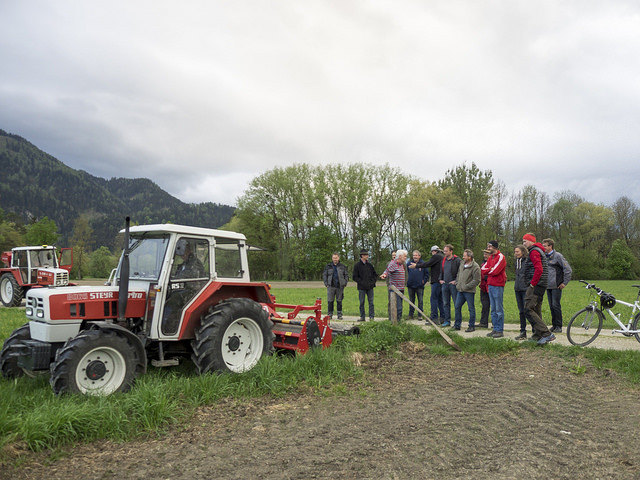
[{"x": 302, "y": 213}]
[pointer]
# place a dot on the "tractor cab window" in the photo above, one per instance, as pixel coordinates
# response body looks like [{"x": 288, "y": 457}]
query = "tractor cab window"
[
  {"x": 42, "y": 258},
  {"x": 190, "y": 259},
  {"x": 146, "y": 255},
  {"x": 189, "y": 275},
  {"x": 228, "y": 258}
]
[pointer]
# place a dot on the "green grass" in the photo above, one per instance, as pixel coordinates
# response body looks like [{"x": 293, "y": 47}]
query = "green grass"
[
  {"x": 574, "y": 298},
  {"x": 30, "y": 414}
]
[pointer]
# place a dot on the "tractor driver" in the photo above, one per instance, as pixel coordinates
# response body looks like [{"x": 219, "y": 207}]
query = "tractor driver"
[{"x": 190, "y": 267}]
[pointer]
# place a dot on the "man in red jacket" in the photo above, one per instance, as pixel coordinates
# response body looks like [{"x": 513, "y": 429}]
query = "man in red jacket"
[{"x": 495, "y": 270}]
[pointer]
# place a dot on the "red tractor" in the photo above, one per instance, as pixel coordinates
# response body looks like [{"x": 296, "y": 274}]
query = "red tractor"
[
  {"x": 179, "y": 292},
  {"x": 27, "y": 267}
]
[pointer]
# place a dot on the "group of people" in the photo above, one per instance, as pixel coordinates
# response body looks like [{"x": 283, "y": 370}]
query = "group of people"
[{"x": 539, "y": 268}]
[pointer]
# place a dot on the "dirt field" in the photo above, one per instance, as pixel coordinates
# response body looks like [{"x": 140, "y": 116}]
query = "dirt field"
[{"x": 416, "y": 416}]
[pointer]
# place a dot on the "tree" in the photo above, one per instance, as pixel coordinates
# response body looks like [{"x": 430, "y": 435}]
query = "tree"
[
  {"x": 470, "y": 188},
  {"x": 101, "y": 262},
  {"x": 42, "y": 232},
  {"x": 621, "y": 263},
  {"x": 81, "y": 241}
]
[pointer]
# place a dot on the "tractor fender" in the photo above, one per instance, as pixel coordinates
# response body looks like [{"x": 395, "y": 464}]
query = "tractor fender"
[{"x": 142, "y": 354}]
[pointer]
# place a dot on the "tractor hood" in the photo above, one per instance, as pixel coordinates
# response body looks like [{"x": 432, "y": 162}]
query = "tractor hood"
[
  {"x": 57, "y": 277},
  {"x": 81, "y": 303}
]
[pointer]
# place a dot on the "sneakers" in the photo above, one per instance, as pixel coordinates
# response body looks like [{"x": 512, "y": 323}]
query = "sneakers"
[
  {"x": 522, "y": 336},
  {"x": 470, "y": 329},
  {"x": 435, "y": 322},
  {"x": 483, "y": 325},
  {"x": 455, "y": 327},
  {"x": 555, "y": 329},
  {"x": 339, "y": 316},
  {"x": 547, "y": 339},
  {"x": 494, "y": 334},
  {"x": 446, "y": 323},
  {"x": 361, "y": 319}
]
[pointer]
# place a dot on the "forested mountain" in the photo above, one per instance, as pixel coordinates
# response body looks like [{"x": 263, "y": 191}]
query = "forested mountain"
[{"x": 34, "y": 184}]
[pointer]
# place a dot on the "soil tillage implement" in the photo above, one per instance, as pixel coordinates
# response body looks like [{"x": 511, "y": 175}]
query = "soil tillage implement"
[{"x": 179, "y": 293}]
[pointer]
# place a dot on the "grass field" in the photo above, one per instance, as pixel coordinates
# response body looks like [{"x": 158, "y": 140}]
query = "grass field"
[
  {"x": 32, "y": 416},
  {"x": 574, "y": 298}
]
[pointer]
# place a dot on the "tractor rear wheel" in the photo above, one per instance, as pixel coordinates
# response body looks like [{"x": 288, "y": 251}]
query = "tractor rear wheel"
[
  {"x": 10, "y": 291},
  {"x": 232, "y": 337},
  {"x": 9, "y": 364},
  {"x": 95, "y": 362}
]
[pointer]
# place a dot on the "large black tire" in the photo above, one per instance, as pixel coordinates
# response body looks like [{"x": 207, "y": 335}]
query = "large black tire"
[
  {"x": 232, "y": 337},
  {"x": 9, "y": 365},
  {"x": 636, "y": 326},
  {"x": 10, "y": 291},
  {"x": 96, "y": 362},
  {"x": 585, "y": 326}
]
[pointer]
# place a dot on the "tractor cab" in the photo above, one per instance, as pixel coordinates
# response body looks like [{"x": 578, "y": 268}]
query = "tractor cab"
[{"x": 175, "y": 265}]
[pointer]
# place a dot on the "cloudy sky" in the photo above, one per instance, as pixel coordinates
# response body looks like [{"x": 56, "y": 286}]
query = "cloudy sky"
[{"x": 202, "y": 96}]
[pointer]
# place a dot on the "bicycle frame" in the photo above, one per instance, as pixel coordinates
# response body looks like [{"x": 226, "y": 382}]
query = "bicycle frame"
[{"x": 626, "y": 329}]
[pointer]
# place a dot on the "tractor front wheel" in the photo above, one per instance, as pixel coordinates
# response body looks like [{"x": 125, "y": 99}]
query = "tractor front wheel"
[
  {"x": 232, "y": 337},
  {"x": 95, "y": 362},
  {"x": 8, "y": 362},
  {"x": 10, "y": 291}
]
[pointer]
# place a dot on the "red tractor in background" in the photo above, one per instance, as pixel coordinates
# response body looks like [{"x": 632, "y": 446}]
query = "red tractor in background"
[
  {"x": 179, "y": 292},
  {"x": 27, "y": 267}
]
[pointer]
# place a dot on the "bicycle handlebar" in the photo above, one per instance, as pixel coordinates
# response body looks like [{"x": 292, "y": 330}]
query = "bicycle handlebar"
[{"x": 591, "y": 285}]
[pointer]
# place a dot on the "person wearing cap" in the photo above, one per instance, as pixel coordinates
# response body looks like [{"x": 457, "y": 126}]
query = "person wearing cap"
[
  {"x": 365, "y": 277},
  {"x": 495, "y": 270},
  {"x": 484, "y": 293},
  {"x": 335, "y": 278},
  {"x": 448, "y": 277},
  {"x": 559, "y": 277},
  {"x": 537, "y": 275},
  {"x": 416, "y": 280}
]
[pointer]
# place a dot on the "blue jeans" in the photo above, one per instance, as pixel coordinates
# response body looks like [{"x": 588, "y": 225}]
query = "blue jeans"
[
  {"x": 497, "y": 309},
  {"x": 448, "y": 292},
  {"x": 398, "y": 304},
  {"x": 521, "y": 310},
  {"x": 436, "y": 301},
  {"x": 469, "y": 298},
  {"x": 554, "y": 295},
  {"x": 369, "y": 295},
  {"x": 413, "y": 293}
]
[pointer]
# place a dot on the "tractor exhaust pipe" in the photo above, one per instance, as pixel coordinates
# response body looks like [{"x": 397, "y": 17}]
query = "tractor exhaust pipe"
[{"x": 123, "y": 281}]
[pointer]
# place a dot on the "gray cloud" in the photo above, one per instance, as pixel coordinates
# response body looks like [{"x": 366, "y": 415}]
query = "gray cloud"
[{"x": 203, "y": 96}]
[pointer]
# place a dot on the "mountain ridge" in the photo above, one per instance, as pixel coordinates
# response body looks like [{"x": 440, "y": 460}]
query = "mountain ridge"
[{"x": 35, "y": 184}]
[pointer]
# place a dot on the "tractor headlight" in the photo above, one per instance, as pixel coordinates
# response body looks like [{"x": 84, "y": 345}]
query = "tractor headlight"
[
  {"x": 40, "y": 313},
  {"x": 28, "y": 311}
]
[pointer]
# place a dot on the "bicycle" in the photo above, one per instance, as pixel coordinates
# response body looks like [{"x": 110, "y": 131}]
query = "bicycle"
[{"x": 591, "y": 317}]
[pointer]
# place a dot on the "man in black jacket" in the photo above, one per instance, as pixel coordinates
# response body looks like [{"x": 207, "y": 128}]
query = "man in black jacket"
[
  {"x": 335, "y": 278},
  {"x": 435, "y": 263},
  {"x": 365, "y": 276}
]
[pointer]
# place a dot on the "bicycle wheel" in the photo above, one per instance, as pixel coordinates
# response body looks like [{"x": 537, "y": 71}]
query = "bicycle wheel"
[
  {"x": 585, "y": 326},
  {"x": 635, "y": 326}
]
